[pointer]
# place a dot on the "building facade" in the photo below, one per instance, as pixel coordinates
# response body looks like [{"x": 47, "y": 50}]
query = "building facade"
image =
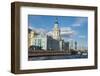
[
  {"x": 40, "y": 42},
  {"x": 52, "y": 44},
  {"x": 31, "y": 35}
]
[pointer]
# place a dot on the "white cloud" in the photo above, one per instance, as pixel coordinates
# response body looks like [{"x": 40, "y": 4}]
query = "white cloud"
[
  {"x": 79, "y": 22},
  {"x": 82, "y": 36},
  {"x": 30, "y": 27},
  {"x": 38, "y": 30},
  {"x": 76, "y": 25},
  {"x": 67, "y": 32},
  {"x": 49, "y": 33}
]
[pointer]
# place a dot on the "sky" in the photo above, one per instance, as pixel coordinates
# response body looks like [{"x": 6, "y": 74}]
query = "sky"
[{"x": 71, "y": 27}]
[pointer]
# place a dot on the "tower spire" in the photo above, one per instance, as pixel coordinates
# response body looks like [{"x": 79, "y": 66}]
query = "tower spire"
[
  {"x": 56, "y": 21},
  {"x": 56, "y": 24},
  {"x": 56, "y": 30}
]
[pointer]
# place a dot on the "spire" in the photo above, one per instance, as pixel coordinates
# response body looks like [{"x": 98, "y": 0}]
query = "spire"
[
  {"x": 56, "y": 30},
  {"x": 56, "y": 21},
  {"x": 56, "y": 24}
]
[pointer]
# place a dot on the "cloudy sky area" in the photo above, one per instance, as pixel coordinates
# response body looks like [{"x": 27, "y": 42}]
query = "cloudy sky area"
[{"x": 72, "y": 28}]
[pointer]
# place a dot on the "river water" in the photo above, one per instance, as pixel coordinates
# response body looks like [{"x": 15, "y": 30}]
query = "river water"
[{"x": 57, "y": 57}]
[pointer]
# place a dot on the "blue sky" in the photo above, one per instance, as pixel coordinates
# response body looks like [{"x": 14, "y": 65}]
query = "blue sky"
[{"x": 72, "y": 27}]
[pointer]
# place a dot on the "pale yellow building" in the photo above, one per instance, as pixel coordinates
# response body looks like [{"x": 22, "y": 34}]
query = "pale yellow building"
[{"x": 31, "y": 36}]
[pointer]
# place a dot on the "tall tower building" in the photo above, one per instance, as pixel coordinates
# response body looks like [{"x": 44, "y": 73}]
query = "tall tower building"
[
  {"x": 75, "y": 45},
  {"x": 56, "y": 30}
]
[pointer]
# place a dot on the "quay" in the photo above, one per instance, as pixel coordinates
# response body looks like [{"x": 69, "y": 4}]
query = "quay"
[{"x": 47, "y": 53}]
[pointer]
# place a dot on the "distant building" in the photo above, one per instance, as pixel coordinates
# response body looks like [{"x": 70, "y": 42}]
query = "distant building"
[
  {"x": 73, "y": 45},
  {"x": 66, "y": 47}
]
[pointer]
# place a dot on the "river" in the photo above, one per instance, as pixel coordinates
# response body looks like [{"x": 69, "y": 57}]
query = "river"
[{"x": 57, "y": 57}]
